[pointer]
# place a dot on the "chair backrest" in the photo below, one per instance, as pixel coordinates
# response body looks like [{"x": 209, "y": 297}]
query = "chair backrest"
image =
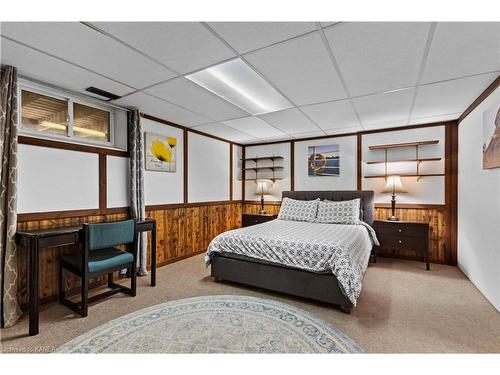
[{"x": 103, "y": 235}]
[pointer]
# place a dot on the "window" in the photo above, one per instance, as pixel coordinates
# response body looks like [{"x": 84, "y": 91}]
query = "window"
[
  {"x": 54, "y": 116},
  {"x": 44, "y": 114},
  {"x": 91, "y": 123}
]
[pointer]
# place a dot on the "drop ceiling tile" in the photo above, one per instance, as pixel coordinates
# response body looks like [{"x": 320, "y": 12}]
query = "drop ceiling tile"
[
  {"x": 255, "y": 127},
  {"x": 308, "y": 134},
  {"x": 182, "y": 46},
  {"x": 326, "y": 24},
  {"x": 185, "y": 93},
  {"x": 280, "y": 138},
  {"x": 290, "y": 121},
  {"x": 155, "y": 107},
  {"x": 384, "y": 108},
  {"x": 226, "y": 132},
  {"x": 351, "y": 129},
  {"x": 378, "y": 56},
  {"x": 84, "y": 46},
  {"x": 248, "y": 36},
  {"x": 301, "y": 69},
  {"x": 431, "y": 119},
  {"x": 331, "y": 115},
  {"x": 463, "y": 48},
  {"x": 39, "y": 66},
  {"x": 450, "y": 96},
  {"x": 386, "y": 125}
]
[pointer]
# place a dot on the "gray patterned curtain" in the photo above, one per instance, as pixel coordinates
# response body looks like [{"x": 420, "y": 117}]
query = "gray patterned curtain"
[
  {"x": 10, "y": 310},
  {"x": 137, "y": 208}
]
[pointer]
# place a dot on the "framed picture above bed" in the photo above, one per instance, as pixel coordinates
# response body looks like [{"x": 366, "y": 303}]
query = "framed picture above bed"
[
  {"x": 323, "y": 161},
  {"x": 160, "y": 152}
]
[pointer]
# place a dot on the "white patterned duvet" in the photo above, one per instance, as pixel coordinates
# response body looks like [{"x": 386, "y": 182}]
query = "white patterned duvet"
[{"x": 341, "y": 249}]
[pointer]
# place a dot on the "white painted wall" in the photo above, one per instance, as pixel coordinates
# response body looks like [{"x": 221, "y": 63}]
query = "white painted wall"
[
  {"x": 50, "y": 179},
  {"x": 279, "y": 149},
  {"x": 478, "y": 207},
  {"x": 428, "y": 190},
  {"x": 164, "y": 187},
  {"x": 348, "y": 167},
  {"x": 237, "y": 185},
  {"x": 208, "y": 169},
  {"x": 118, "y": 181}
]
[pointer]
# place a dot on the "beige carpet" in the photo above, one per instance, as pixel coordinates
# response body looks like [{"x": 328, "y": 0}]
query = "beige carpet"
[{"x": 402, "y": 308}]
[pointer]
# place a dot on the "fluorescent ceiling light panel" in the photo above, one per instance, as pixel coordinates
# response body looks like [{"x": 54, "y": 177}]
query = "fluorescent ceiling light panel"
[{"x": 239, "y": 84}]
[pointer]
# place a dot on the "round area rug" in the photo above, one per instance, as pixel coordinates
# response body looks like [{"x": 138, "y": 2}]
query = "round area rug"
[{"x": 215, "y": 324}]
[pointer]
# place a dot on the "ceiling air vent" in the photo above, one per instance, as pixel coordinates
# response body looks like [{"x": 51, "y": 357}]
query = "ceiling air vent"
[{"x": 104, "y": 94}]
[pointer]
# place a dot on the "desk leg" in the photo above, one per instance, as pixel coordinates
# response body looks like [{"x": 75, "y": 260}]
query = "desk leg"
[
  {"x": 153, "y": 255},
  {"x": 33, "y": 292}
]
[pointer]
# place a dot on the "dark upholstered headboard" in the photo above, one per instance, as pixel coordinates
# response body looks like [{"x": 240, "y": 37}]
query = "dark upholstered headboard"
[{"x": 366, "y": 197}]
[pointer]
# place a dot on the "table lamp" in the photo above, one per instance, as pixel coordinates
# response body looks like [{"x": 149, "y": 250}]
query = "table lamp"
[
  {"x": 393, "y": 186},
  {"x": 263, "y": 188}
]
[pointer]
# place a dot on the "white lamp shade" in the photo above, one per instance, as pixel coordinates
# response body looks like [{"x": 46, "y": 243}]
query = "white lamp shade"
[
  {"x": 394, "y": 185},
  {"x": 264, "y": 187}
]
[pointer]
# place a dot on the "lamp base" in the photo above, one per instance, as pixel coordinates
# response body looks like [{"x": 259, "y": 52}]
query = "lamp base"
[
  {"x": 393, "y": 218},
  {"x": 262, "y": 211}
]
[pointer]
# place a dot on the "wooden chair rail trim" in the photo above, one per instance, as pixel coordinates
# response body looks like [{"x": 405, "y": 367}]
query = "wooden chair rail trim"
[{"x": 42, "y": 142}]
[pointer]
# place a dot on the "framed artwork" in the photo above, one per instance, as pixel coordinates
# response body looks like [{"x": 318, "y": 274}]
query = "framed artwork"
[
  {"x": 491, "y": 137},
  {"x": 324, "y": 160},
  {"x": 161, "y": 152}
]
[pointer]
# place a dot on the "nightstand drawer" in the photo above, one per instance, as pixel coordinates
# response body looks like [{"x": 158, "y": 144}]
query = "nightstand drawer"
[
  {"x": 401, "y": 229},
  {"x": 252, "y": 219},
  {"x": 401, "y": 242}
]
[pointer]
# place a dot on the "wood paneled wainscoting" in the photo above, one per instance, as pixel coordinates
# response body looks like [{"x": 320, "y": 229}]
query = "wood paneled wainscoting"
[
  {"x": 253, "y": 207},
  {"x": 182, "y": 231},
  {"x": 186, "y": 231},
  {"x": 435, "y": 215}
]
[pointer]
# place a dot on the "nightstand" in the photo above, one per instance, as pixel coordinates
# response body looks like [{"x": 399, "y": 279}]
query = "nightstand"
[
  {"x": 252, "y": 219},
  {"x": 403, "y": 235}
]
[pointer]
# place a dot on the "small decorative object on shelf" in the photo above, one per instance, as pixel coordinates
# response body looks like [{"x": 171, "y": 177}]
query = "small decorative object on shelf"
[
  {"x": 393, "y": 186},
  {"x": 263, "y": 188}
]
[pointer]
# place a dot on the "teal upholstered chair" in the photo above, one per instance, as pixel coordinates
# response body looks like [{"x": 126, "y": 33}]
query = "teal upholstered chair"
[{"x": 99, "y": 257}]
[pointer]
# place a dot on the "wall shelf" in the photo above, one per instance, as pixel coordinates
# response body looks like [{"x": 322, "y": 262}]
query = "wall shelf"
[
  {"x": 256, "y": 179},
  {"x": 408, "y": 175},
  {"x": 403, "y": 161},
  {"x": 406, "y": 144},
  {"x": 418, "y": 160},
  {"x": 256, "y": 159},
  {"x": 258, "y": 168},
  {"x": 275, "y": 168}
]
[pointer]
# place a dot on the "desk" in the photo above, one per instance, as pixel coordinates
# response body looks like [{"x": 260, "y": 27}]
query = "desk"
[{"x": 36, "y": 240}]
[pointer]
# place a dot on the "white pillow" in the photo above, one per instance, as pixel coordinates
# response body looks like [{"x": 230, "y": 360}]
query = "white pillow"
[
  {"x": 297, "y": 210},
  {"x": 339, "y": 212}
]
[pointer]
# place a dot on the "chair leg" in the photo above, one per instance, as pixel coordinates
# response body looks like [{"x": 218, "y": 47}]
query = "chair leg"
[
  {"x": 133, "y": 280},
  {"x": 110, "y": 279},
  {"x": 85, "y": 295}
]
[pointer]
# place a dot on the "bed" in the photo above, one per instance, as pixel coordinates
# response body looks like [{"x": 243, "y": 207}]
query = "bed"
[{"x": 323, "y": 262}]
